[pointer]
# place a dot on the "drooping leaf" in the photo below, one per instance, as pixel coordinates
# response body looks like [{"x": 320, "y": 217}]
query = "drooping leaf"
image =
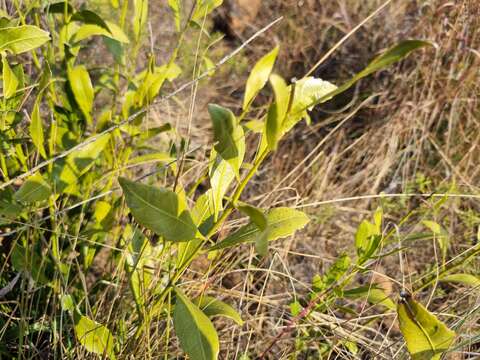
[
  {"x": 36, "y": 130},
  {"x": 160, "y": 210},
  {"x": 140, "y": 16},
  {"x": 213, "y": 307},
  {"x": 426, "y": 336},
  {"x": 94, "y": 336},
  {"x": 114, "y": 32},
  {"x": 259, "y": 76},
  {"x": 228, "y": 136},
  {"x": 465, "y": 279},
  {"x": 282, "y": 222},
  {"x": 389, "y": 57},
  {"x": 35, "y": 188},
  {"x": 20, "y": 39},
  {"x": 90, "y": 17},
  {"x": 10, "y": 81},
  {"x": 374, "y": 295},
  {"x": 82, "y": 89},
  {"x": 197, "y": 336}
]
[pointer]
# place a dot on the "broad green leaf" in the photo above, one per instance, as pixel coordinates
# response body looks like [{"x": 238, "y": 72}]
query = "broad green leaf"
[
  {"x": 228, "y": 136},
  {"x": 30, "y": 261},
  {"x": 465, "y": 279},
  {"x": 160, "y": 210},
  {"x": 140, "y": 16},
  {"x": 87, "y": 30},
  {"x": 221, "y": 176},
  {"x": 36, "y": 130},
  {"x": 260, "y": 220},
  {"x": 60, "y": 7},
  {"x": 389, "y": 57},
  {"x": 20, "y": 39},
  {"x": 367, "y": 240},
  {"x": 8, "y": 205},
  {"x": 152, "y": 157},
  {"x": 374, "y": 295},
  {"x": 204, "y": 7},
  {"x": 150, "y": 81},
  {"x": 259, "y": 77},
  {"x": 95, "y": 337},
  {"x": 426, "y": 336},
  {"x": 213, "y": 307},
  {"x": 10, "y": 81},
  {"x": 35, "y": 188},
  {"x": 197, "y": 336},
  {"x": 82, "y": 89},
  {"x": 67, "y": 173},
  {"x": 67, "y": 303},
  {"x": 282, "y": 222},
  {"x": 175, "y": 6}
]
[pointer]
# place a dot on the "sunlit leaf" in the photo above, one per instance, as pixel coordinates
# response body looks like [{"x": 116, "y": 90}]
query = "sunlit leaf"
[
  {"x": 426, "y": 336},
  {"x": 221, "y": 176},
  {"x": 374, "y": 295},
  {"x": 90, "y": 17},
  {"x": 277, "y": 111},
  {"x": 36, "y": 130},
  {"x": 23, "y": 38},
  {"x": 10, "y": 81},
  {"x": 259, "y": 76},
  {"x": 95, "y": 337},
  {"x": 160, "y": 210},
  {"x": 204, "y": 7},
  {"x": 228, "y": 136},
  {"x": 114, "y": 32},
  {"x": 465, "y": 279},
  {"x": 140, "y": 16},
  {"x": 82, "y": 89},
  {"x": 213, "y": 307},
  {"x": 197, "y": 336},
  {"x": 440, "y": 235},
  {"x": 175, "y": 6},
  {"x": 35, "y": 188},
  {"x": 282, "y": 222}
]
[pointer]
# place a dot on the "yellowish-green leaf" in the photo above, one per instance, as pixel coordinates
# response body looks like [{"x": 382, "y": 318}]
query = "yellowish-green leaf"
[
  {"x": 140, "y": 16},
  {"x": 175, "y": 6},
  {"x": 95, "y": 337},
  {"x": 427, "y": 338},
  {"x": 228, "y": 136},
  {"x": 465, "y": 279},
  {"x": 259, "y": 76},
  {"x": 197, "y": 336},
  {"x": 36, "y": 130},
  {"x": 10, "y": 81},
  {"x": 82, "y": 89},
  {"x": 35, "y": 188},
  {"x": 160, "y": 210},
  {"x": 205, "y": 7},
  {"x": 277, "y": 111},
  {"x": 282, "y": 222},
  {"x": 221, "y": 176},
  {"x": 87, "y": 30},
  {"x": 213, "y": 307},
  {"x": 440, "y": 235},
  {"x": 23, "y": 38}
]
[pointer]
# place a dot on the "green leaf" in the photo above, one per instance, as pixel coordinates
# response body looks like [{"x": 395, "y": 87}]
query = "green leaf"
[
  {"x": 59, "y": 8},
  {"x": 258, "y": 218},
  {"x": 374, "y": 295},
  {"x": 10, "y": 81},
  {"x": 35, "y": 188},
  {"x": 228, "y": 136},
  {"x": 194, "y": 330},
  {"x": 95, "y": 337},
  {"x": 82, "y": 89},
  {"x": 8, "y": 206},
  {"x": 89, "y": 17},
  {"x": 213, "y": 307},
  {"x": 367, "y": 240},
  {"x": 114, "y": 32},
  {"x": 389, "y": 57},
  {"x": 160, "y": 210},
  {"x": 426, "y": 336},
  {"x": 36, "y": 130},
  {"x": 465, "y": 279},
  {"x": 440, "y": 235},
  {"x": 204, "y": 7},
  {"x": 259, "y": 77},
  {"x": 175, "y": 7},
  {"x": 221, "y": 176},
  {"x": 140, "y": 16},
  {"x": 282, "y": 222},
  {"x": 23, "y": 38},
  {"x": 67, "y": 173},
  {"x": 277, "y": 111}
]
